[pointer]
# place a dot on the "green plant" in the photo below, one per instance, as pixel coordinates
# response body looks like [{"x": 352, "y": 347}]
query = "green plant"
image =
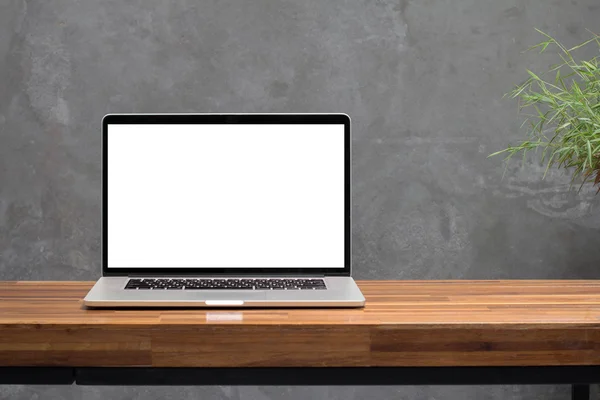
[{"x": 565, "y": 124}]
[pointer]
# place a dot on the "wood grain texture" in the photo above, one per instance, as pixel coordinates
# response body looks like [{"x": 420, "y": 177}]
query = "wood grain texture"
[{"x": 405, "y": 323}]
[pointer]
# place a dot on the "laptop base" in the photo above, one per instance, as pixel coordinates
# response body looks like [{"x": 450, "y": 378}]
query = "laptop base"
[{"x": 110, "y": 292}]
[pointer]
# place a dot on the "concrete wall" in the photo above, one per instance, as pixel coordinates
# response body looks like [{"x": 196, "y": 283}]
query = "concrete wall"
[{"x": 423, "y": 81}]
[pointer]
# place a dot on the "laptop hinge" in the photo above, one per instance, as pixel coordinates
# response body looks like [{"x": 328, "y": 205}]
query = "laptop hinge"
[{"x": 274, "y": 275}]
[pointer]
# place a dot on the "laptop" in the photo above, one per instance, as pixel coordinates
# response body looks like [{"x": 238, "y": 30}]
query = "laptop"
[{"x": 225, "y": 210}]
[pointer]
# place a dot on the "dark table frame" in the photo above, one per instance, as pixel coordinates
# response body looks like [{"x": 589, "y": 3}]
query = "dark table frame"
[{"x": 579, "y": 377}]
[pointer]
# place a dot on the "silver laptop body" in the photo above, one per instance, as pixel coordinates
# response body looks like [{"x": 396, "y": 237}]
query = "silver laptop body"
[{"x": 225, "y": 210}]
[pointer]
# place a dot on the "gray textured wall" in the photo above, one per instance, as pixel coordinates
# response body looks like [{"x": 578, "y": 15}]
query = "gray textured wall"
[{"x": 423, "y": 81}]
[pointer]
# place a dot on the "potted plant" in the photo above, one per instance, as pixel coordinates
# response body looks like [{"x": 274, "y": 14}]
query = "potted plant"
[{"x": 564, "y": 112}]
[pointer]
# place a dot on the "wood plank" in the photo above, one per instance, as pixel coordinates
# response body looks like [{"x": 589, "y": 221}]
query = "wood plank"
[{"x": 404, "y": 323}]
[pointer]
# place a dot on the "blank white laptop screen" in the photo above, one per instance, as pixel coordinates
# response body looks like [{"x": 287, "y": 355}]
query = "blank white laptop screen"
[{"x": 225, "y": 196}]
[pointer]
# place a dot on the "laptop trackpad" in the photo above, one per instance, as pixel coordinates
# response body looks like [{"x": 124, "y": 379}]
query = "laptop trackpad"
[{"x": 233, "y": 296}]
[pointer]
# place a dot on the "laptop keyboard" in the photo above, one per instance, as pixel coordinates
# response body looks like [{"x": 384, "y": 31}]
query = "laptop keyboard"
[{"x": 229, "y": 284}]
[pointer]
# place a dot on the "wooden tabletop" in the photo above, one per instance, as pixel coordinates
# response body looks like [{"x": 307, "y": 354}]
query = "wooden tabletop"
[{"x": 404, "y": 323}]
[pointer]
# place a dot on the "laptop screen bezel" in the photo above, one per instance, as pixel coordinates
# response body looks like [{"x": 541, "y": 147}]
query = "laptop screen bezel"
[{"x": 292, "y": 119}]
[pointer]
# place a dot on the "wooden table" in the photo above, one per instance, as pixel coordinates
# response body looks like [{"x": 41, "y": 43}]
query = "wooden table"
[{"x": 410, "y": 332}]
